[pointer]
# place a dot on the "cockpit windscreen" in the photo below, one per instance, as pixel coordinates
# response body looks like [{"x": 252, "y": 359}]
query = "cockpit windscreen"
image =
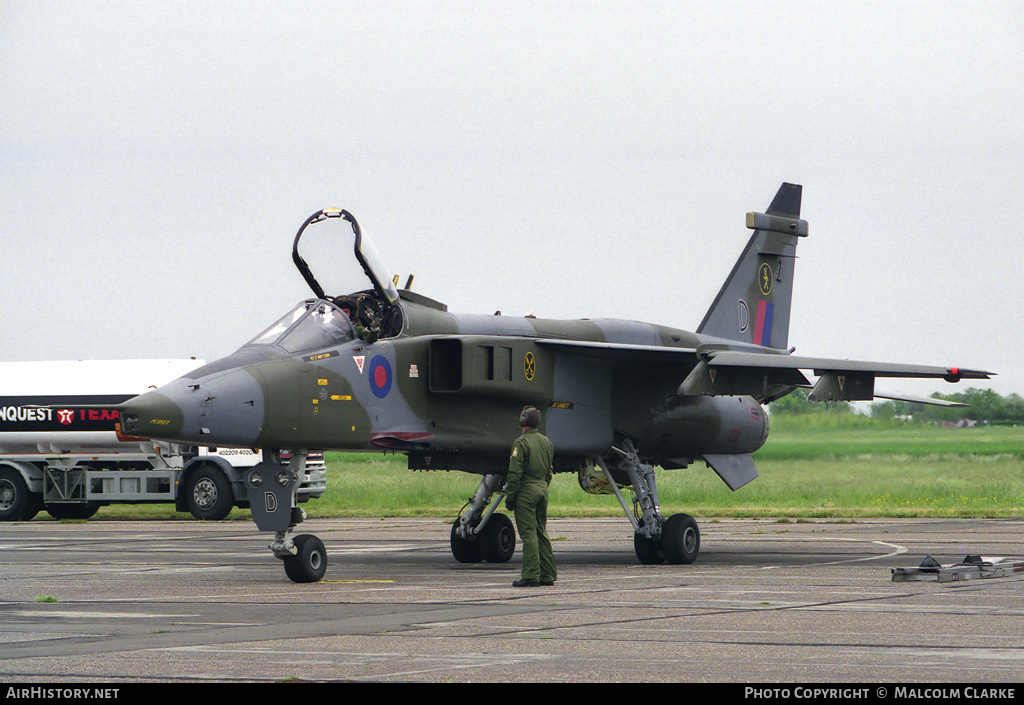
[{"x": 312, "y": 325}]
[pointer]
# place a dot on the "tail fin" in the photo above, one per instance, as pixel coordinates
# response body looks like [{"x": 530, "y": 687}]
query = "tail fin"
[{"x": 754, "y": 303}]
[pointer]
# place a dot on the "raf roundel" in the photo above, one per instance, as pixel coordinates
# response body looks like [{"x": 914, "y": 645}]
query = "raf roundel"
[{"x": 380, "y": 376}]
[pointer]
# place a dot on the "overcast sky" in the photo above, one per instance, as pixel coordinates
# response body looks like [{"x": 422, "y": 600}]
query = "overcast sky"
[{"x": 571, "y": 159}]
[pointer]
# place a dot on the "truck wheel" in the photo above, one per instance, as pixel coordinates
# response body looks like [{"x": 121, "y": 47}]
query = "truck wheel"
[
  {"x": 33, "y": 506},
  {"x": 14, "y": 498},
  {"x": 208, "y": 494}
]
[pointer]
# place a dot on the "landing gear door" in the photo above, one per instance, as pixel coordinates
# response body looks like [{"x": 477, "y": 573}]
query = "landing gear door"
[
  {"x": 366, "y": 255},
  {"x": 270, "y": 488}
]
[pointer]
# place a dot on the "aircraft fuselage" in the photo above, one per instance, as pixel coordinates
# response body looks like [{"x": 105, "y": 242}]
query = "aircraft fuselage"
[{"x": 447, "y": 391}]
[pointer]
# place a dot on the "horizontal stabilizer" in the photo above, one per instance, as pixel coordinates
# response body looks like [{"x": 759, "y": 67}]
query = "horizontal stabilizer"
[
  {"x": 849, "y": 386},
  {"x": 735, "y": 470},
  {"x": 920, "y": 400}
]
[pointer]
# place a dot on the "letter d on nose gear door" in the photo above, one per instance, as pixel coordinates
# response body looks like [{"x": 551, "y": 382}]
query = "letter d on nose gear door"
[{"x": 270, "y": 496}]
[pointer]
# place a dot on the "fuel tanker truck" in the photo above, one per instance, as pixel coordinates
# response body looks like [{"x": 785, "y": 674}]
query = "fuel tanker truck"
[{"x": 63, "y": 452}]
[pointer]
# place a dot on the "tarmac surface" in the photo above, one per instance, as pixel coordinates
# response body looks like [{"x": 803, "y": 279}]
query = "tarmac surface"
[{"x": 767, "y": 601}]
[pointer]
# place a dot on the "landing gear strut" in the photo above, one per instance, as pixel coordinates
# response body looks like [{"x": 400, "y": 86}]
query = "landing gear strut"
[
  {"x": 479, "y": 534},
  {"x": 271, "y": 488},
  {"x": 655, "y": 539}
]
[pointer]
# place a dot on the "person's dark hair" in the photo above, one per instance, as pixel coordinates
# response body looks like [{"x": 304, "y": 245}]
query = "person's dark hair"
[{"x": 529, "y": 417}]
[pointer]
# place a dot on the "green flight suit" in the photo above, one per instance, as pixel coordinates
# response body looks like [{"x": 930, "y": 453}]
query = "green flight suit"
[
  {"x": 526, "y": 494},
  {"x": 365, "y": 334}
]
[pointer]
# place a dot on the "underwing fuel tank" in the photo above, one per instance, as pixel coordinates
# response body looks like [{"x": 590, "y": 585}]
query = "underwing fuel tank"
[
  {"x": 700, "y": 425},
  {"x": 722, "y": 431}
]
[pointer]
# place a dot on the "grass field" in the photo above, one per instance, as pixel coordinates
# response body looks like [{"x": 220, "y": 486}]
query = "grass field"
[{"x": 810, "y": 467}]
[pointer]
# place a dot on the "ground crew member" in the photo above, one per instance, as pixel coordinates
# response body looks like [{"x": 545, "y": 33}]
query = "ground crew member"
[{"x": 526, "y": 495}]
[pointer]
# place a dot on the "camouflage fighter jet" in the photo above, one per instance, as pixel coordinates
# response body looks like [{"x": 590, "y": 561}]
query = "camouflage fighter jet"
[{"x": 383, "y": 369}]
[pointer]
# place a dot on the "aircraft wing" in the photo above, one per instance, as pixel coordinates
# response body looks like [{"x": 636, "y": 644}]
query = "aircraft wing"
[
  {"x": 737, "y": 372},
  {"x": 821, "y": 365},
  {"x": 839, "y": 380}
]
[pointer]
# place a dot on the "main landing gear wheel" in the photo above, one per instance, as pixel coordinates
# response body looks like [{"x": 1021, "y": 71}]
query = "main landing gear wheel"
[
  {"x": 679, "y": 543},
  {"x": 498, "y": 539},
  {"x": 464, "y": 550},
  {"x": 677, "y": 539},
  {"x": 310, "y": 563},
  {"x": 495, "y": 543},
  {"x": 648, "y": 551},
  {"x": 680, "y": 539}
]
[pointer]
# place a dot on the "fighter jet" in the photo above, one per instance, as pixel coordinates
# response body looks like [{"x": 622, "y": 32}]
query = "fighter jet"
[{"x": 377, "y": 368}]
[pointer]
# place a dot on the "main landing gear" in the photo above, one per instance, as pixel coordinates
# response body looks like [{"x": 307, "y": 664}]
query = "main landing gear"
[
  {"x": 655, "y": 539},
  {"x": 479, "y": 534},
  {"x": 271, "y": 488}
]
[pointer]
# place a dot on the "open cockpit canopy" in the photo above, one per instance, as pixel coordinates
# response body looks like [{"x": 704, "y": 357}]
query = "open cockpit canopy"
[{"x": 378, "y": 307}]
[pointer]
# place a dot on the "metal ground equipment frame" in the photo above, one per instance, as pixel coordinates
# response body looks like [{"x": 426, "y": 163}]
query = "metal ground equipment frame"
[{"x": 971, "y": 568}]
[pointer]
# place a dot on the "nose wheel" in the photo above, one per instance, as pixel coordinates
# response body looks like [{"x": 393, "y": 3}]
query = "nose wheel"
[
  {"x": 309, "y": 564},
  {"x": 271, "y": 487}
]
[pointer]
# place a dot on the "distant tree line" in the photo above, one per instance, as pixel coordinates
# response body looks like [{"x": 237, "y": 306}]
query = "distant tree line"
[{"x": 983, "y": 405}]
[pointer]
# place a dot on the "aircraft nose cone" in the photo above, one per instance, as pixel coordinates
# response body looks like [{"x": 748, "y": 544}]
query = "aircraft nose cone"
[
  {"x": 151, "y": 415},
  {"x": 221, "y": 409}
]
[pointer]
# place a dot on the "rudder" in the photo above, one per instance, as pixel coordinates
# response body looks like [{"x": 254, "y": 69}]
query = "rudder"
[{"x": 753, "y": 306}]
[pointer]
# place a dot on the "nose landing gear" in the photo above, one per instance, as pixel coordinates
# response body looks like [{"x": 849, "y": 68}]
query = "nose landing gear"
[{"x": 271, "y": 487}]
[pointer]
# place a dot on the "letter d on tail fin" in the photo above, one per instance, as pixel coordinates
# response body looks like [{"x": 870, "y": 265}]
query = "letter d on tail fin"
[{"x": 754, "y": 303}]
